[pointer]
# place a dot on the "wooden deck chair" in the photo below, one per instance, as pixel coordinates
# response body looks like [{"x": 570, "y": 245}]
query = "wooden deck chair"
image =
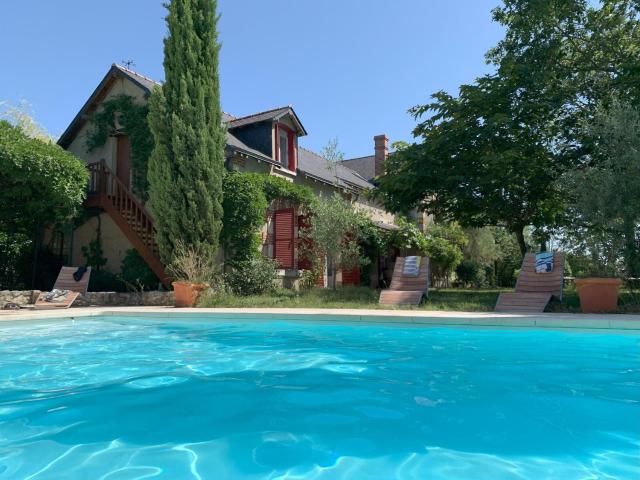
[
  {"x": 65, "y": 281},
  {"x": 534, "y": 290},
  {"x": 406, "y": 289}
]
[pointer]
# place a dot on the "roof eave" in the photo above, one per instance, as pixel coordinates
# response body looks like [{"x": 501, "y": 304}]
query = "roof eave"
[
  {"x": 296, "y": 119},
  {"x": 67, "y": 137}
]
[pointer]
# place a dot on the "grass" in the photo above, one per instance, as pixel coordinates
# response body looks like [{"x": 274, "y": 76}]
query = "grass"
[
  {"x": 357, "y": 297},
  {"x": 444, "y": 299}
]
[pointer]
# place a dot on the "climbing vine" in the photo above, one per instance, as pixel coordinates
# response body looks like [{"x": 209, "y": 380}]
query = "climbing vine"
[
  {"x": 246, "y": 199},
  {"x": 132, "y": 118}
]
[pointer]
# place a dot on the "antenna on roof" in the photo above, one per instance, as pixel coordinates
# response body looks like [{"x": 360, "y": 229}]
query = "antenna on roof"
[{"x": 128, "y": 64}]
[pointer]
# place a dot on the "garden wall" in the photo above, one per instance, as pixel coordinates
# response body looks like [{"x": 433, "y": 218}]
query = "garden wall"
[{"x": 98, "y": 299}]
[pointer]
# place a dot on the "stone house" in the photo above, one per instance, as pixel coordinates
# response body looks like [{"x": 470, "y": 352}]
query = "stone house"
[{"x": 265, "y": 142}]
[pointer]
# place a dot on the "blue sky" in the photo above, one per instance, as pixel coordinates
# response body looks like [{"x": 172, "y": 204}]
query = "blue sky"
[{"x": 350, "y": 68}]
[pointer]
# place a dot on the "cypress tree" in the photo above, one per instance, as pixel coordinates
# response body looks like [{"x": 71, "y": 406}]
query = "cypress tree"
[{"x": 187, "y": 163}]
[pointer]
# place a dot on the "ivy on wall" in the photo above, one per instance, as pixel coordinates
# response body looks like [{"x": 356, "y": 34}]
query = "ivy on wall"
[
  {"x": 132, "y": 120},
  {"x": 247, "y": 197}
]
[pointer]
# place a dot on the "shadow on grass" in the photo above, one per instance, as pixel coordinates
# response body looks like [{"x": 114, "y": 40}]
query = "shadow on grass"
[
  {"x": 357, "y": 297},
  {"x": 445, "y": 299}
]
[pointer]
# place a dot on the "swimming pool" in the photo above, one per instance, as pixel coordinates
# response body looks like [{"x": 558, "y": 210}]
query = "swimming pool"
[{"x": 122, "y": 398}]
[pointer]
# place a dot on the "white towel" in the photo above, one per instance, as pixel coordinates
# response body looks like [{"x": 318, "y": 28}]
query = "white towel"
[
  {"x": 411, "y": 266},
  {"x": 56, "y": 295}
]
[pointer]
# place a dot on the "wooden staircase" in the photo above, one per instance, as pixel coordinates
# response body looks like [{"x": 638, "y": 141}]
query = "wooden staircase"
[{"x": 108, "y": 192}]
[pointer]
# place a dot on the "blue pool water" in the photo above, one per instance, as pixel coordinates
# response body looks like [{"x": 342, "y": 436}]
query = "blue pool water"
[{"x": 121, "y": 398}]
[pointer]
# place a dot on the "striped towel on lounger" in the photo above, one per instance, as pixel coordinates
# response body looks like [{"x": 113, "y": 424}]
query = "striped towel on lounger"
[
  {"x": 544, "y": 262},
  {"x": 411, "y": 266}
]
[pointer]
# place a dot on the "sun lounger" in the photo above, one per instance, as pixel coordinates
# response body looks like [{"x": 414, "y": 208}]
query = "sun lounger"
[
  {"x": 534, "y": 290},
  {"x": 65, "y": 283},
  {"x": 410, "y": 282}
]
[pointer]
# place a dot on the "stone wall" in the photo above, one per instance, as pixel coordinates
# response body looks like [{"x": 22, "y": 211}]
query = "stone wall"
[
  {"x": 98, "y": 299},
  {"x": 116, "y": 299},
  {"x": 21, "y": 297}
]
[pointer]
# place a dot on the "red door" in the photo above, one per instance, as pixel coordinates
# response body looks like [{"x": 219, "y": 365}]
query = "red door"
[
  {"x": 123, "y": 163},
  {"x": 283, "y": 237}
]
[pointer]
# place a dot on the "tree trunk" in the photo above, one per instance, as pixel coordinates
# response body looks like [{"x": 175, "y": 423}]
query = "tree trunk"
[
  {"x": 519, "y": 231},
  {"x": 331, "y": 269}
]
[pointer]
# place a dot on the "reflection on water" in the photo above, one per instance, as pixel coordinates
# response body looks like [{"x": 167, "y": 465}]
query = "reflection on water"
[{"x": 113, "y": 399}]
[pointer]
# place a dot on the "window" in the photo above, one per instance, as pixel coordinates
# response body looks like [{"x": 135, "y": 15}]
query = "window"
[{"x": 284, "y": 147}]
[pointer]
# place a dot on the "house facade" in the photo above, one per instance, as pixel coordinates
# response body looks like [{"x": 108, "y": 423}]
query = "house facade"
[{"x": 266, "y": 142}]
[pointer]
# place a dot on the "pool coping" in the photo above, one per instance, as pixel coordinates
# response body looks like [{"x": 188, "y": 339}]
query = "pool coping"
[{"x": 414, "y": 317}]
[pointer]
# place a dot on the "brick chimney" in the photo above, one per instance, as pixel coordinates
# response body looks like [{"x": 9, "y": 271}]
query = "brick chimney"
[{"x": 381, "y": 143}]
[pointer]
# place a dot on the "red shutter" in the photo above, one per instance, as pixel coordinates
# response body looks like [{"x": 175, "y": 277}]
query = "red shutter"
[
  {"x": 351, "y": 277},
  {"x": 283, "y": 237}
]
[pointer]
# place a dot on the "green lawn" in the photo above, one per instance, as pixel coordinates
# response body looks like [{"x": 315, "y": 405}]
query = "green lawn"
[
  {"x": 462, "y": 300},
  {"x": 358, "y": 297}
]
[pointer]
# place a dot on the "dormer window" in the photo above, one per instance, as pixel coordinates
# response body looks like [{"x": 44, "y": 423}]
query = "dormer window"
[{"x": 286, "y": 147}]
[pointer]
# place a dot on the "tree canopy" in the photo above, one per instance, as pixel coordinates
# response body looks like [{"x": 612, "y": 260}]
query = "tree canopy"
[
  {"x": 493, "y": 154},
  {"x": 187, "y": 163},
  {"x": 333, "y": 233},
  {"x": 40, "y": 183},
  {"x": 606, "y": 193}
]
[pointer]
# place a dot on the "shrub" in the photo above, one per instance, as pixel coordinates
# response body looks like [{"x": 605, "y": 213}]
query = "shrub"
[
  {"x": 103, "y": 281},
  {"x": 406, "y": 237},
  {"x": 244, "y": 205},
  {"x": 136, "y": 272},
  {"x": 471, "y": 273},
  {"x": 308, "y": 279},
  {"x": 15, "y": 258},
  {"x": 444, "y": 257},
  {"x": 40, "y": 182},
  {"x": 254, "y": 276},
  {"x": 246, "y": 199}
]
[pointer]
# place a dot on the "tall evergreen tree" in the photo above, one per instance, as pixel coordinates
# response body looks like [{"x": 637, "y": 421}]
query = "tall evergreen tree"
[{"x": 187, "y": 163}]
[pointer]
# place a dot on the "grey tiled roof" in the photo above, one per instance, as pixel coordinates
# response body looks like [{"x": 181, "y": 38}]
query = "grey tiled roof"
[
  {"x": 259, "y": 117},
  {"x": 316, "y": 166},
  {"x": 273, "y": 114},
  {"x": 145, "y": 82},
  {"x": 236, "y": 144},
  {"x": 365, "y": 166},
  {"x": 309, "y": 163}
]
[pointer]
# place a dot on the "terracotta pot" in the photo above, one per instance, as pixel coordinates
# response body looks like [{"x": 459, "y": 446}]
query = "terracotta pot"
[
  {"x": 186, "y": 294},
  {"x": 598, "y": 295}
]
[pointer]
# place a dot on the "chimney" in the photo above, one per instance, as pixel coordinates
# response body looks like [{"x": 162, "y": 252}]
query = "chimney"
[{"x": 381, "y": 143}]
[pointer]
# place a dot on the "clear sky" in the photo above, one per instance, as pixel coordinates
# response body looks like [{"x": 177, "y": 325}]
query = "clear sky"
[{"x": 350, "y": 68}]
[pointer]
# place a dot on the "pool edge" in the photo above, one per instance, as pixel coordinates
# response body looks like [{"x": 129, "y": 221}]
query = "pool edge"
[{"x": 426, "y": 318}]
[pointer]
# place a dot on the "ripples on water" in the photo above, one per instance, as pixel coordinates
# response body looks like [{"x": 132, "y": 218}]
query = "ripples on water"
[{"x": 130, "y": 399}]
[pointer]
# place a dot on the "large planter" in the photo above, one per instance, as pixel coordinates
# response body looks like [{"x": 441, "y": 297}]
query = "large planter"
[
  {"x": 598, "y": 295},
  {"x": 186, "y": 294}
]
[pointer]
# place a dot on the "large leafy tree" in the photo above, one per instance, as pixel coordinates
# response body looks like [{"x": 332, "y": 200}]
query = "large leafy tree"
[
  {"x": 187, "y": 163},
  {"x": 492, "y": 154},
  {"x": 40, "y": 184},
  {"x": 606, "y": 209}
]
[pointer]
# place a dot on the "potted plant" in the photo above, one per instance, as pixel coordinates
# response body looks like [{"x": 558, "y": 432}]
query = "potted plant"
[
  {"x": 192, "y": 271},
  {"x": 598, "y": 293}
]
